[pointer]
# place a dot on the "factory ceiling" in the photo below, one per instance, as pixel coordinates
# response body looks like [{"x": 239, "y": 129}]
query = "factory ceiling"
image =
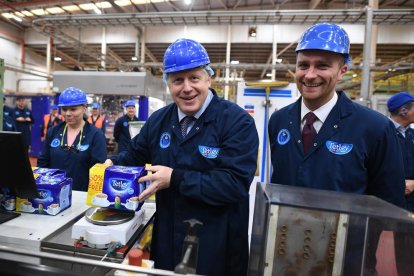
[{"x": 254, "y": 58}]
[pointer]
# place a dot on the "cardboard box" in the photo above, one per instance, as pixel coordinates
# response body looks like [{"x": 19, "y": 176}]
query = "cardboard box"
[
  {"x": 115, "y": 187},
  {"x": 55, "y": 193}
]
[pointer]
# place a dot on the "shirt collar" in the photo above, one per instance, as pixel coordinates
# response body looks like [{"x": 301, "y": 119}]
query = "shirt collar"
[
  {"x": 209, "y": 97},
  {"x": 322, "y": 112},
  {"x": 399, "y": 127}
]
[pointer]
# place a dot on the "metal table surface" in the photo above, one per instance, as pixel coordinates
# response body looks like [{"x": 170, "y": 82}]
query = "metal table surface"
[{"x": 28, "y": 230}]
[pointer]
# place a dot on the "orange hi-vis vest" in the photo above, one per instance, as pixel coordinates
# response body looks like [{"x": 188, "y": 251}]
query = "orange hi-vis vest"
[
  {"x": 98, "y": 122},
  {"x": 46, "y": 120}
]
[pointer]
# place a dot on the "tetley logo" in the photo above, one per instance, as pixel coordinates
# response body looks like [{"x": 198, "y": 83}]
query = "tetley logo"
[
  {"x": 43, "y": 194},
  {"x": 208, "y": 152},
  {"x": 120, "y": 184},
  {"x": 338, "y": 148}
]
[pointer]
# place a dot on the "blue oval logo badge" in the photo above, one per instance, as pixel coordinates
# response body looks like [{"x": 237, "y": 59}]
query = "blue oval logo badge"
[
  {"x": 55, "y": 143},
  {"x": 125, "y": 124},
  {"x": 165, "y": 140},
  {"x": 338, "y": 148},
  {"x": 83, "y": 147},
  {"x": 208, "y": 152},
  {"x": 119, "y": 184},
  {"x": 283, "y": 137}
]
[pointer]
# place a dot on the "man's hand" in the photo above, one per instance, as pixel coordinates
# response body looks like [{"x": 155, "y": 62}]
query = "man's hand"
[
  {"x": 20, "y": 119},
  {"x": 159, "y": 179},
  {"x": 409, "y": 186},
  {"x": 108, "y": 162}
]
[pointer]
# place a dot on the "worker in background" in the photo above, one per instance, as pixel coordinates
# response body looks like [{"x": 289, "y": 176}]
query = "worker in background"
[
  {"x": 24, "y": 119},
  {"x": 96, "y": 118},
  {"x": 401, "y": 108},
  {"x": 49, "y": 120},
  {"x": 121, "y": 129},
  {"x": 74, "y": 145},
  {"x": 325, "y": 141},
  {"x": 203, "y": 152},
  {"x": 8, "y": 121}
]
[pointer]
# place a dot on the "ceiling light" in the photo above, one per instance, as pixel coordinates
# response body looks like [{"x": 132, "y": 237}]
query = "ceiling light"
[
  {"x": 234, "y": 62},
  {"x": 140, "y": 2},
  {"x": 278, "y": 60},
  {"x": 18, "y": 19},
  {"x": 187, "y": 2},
  {"x": 123, "y": 3},
  {"x": 55, "y": 10},
  {"x": 38, "y": 12},
  {"x": 57, "y": 59},
  {"x": 27, "y": 13},
  {"x": 7, "y": 15},
  {"x": 252, "y": 32},
  {"x": 71, "y": 8},
  {"x": 158, "y": 1},
  {"x": 103, "y": 5},
  {"x": 269, "y": 75},
  {"x": 134, "y": 58},
  {"x": 19, "y": 14}
]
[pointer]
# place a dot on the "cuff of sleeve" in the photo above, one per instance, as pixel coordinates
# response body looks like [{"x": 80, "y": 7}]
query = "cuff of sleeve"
[{"x": 177, "y": 176}]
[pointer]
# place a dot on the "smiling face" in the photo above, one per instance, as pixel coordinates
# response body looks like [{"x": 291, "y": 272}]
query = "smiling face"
[
  {"x": 73, "y": 115},
  {"x": 189, "y": 89},
  {"x": 317, "y": 73}
]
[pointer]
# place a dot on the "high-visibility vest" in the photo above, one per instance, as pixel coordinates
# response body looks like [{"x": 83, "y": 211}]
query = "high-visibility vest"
[
  {"x": 98, "y": 122},
  {"x": 46, "y": 120}
]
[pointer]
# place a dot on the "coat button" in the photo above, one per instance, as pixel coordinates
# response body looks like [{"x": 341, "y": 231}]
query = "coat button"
[
  {"x": 335, "y": 126},
  {"x": 299, "y": 141},
  {"x": 315, "y": 144}
]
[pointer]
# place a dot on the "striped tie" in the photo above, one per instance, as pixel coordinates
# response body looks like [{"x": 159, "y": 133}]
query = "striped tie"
[{"x": 185, "y": 122}]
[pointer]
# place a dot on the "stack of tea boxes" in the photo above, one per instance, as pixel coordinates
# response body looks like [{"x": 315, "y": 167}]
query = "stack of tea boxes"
[{"x": 54, "y": 190}]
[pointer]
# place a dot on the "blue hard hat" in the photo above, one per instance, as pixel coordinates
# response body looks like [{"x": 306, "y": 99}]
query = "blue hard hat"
[
  {"x": 53, "y": 106},
  {"x": 325, "y": 36},
  {"x": 398, "y": 100},
  {"x": 95, "y": 105},
  {"x": 184, "y": 54},
  {"x": 72, "y": 96},
  {"x": 129, "y": 103}
]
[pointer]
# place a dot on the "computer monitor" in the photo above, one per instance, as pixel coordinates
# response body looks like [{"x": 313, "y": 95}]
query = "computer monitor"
[{"x": 15, "y": 170}]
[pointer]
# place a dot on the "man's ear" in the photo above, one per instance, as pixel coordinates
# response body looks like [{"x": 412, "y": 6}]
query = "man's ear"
[{"x": 403, "y": 112}]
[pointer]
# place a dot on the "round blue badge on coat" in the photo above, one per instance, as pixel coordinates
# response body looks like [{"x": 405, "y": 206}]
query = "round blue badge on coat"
[
  {"x": 165, "y": 140},
  {"x": 83, "y": 147},
  {"x": 125, "y": 124},
  {"x": 283, "y": 136},
  {"x": 55, "y": 143}
]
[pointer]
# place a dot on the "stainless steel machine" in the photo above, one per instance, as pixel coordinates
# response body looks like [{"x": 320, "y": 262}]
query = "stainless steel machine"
[{"x": 302, "y": 231}]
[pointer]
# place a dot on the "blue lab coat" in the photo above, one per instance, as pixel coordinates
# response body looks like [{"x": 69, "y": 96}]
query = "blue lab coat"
[
  {"x": 92, "y": 150},
  {"x": 357, "y": 151},
  {"x": 213, "y": 167},
  {"x": 121, "y": 132},
  {"x": 24, "y": 127},
  {"x": 407, "y": 146}
]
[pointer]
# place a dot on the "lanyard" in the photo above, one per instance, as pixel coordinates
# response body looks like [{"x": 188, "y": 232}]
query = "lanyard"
[{"x": 63, "y": 135}]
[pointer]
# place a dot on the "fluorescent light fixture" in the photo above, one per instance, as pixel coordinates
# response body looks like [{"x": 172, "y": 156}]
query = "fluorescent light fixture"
[
  {"x": 38, "y": 12},
  {"x": 278, "y": 60},
  {"x": 269, "y": 75},
  {"x": 140, "y": 2},
  {"x": 103, "y": 5},
  {"x": 71, "y": 8},
  {"x": 18, "y": 19},
  {"x": 27, "y": 13},
  {"x": 87, "y": 6},
  {"x": 134, "y": 58},
  {"x": 19, "y": 14},
  {"x": 157, "y": 1},
  {"x": 57, "y": 59},
  {"x": 123, "y": 3},
  {"x": 55, "y": 10},
  {"x": 187, "y": 2},
  {"x": 234, "y": 62},
  {"x": 7, "y": 15}
]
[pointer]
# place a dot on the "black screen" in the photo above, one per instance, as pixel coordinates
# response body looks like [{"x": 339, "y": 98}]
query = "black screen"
[{"x": 15, "y": 169}]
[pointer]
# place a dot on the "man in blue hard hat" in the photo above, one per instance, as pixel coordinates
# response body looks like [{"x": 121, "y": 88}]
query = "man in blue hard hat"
[
  {"x": 8, "y": 120},
  {"x": 53, "y": 118},
  {"x": 203, "y": 152},
  {"x": 324, "y": 140},
  {"x": 97, "y": 119},
  {"x": 122, "y": 134},
  {"x": 74, "y": 145},
  {"x": 401, "y": 108}
]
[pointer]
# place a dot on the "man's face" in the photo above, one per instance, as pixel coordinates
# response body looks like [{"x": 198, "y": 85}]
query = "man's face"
[
  {"x": 54, "y": 112},
  {"x": 317, "y": 73},
  {"x": 130, "y": 110},
  {"x": 189, "y": 89},
  {"x": 95, "y": 111},
  {"x": 21, "y": 103}
]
